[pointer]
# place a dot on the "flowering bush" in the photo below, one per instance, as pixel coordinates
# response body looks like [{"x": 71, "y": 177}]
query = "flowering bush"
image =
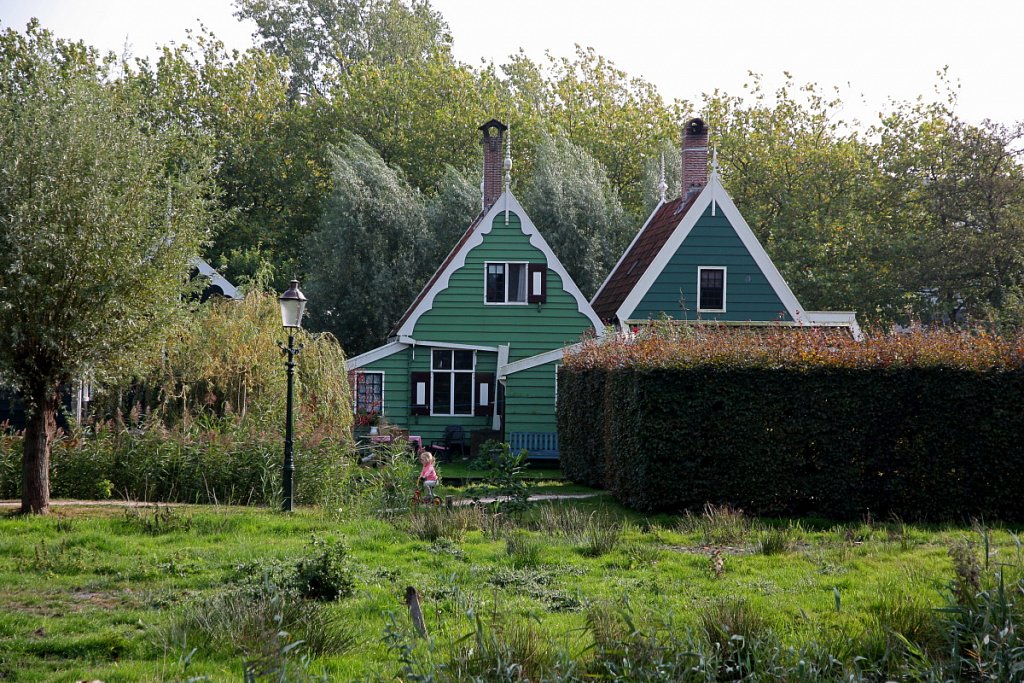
[{"x": 662, "y": 346}]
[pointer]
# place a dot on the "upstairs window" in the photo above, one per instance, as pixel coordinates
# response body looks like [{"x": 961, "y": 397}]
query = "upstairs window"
[
  {"x": 711, "y": 290},
  {"x": 505, "y": 283}
]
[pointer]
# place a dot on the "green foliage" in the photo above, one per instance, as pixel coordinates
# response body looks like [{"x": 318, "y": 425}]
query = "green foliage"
[
  {"x": 780, "y": 422},
  {"x": 94, "y": 201},
  {"x": 575, "y": 207},
  {"x": 249, "y": 621},
  {"x": 323, "y": 40},
  {"x": 326, "y": 574},
  {"x": 375, "y": 229},
  {"x": 224, "y": 362},
  {"x": 523, "y": 549},
  {"x": 717, "y": 525},
  {"x": 206, "y": 462},
  {"x": 503, "y": 475}
]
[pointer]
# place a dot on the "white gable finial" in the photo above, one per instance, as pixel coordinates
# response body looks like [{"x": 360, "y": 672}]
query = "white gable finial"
[
  {"x": 714, "y": 180},
  {"x": 662, "y": 185},
  {"x": 507, "y": 165}
]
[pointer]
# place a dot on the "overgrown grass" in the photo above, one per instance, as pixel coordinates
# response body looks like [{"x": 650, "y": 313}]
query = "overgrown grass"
[{"x": 168, "y": 593}]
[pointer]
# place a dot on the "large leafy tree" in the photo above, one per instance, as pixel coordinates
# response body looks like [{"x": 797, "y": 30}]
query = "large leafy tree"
[
  {"x": 960, "y": 189},
  {"x": 619, "y": 120},
  {"x": 378, "y": 243},
  {"x": 807, "y": 185},
  {"x": 578, "y": 211},
  {"x": 269, "y": 153},
  {"x": 364, "y": 263},
  {"x": 98, "y": 218},
  {"x": 324, "y": 39}
]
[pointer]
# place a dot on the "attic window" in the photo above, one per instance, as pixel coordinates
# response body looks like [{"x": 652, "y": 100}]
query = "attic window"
[
  {"x": 711, "y": 289},
  {"x": 505, "y": 283}
]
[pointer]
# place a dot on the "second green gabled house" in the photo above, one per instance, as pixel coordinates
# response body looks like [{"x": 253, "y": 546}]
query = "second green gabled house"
[
  {"x": 697, "y": 260},
  {"x": 481, "y": 344}
]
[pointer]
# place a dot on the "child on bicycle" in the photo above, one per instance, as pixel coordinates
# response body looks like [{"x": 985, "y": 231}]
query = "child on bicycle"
[{"x": 428, "y": 475}]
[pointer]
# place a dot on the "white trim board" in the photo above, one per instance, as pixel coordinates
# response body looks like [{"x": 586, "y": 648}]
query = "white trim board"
[
  {"x": 482, "y": 228},
  {"x": 374, "y": 354},
  {"x": 211, "y": 274},
  {"x": 446, "y": 345},
  {"x": 712, "y": 194},
  {"x": 534, "y": 361}
]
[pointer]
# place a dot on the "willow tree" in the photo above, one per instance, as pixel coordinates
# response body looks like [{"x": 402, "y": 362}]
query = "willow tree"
[{"x": 97, "y": 222}]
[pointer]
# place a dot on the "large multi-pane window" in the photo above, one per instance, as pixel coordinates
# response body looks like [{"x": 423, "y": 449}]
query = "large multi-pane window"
[
  {"x": 452, "y": 382},
  {"x": 369, "y": 392},
  {"x": 711, "y": 293},
  {"x": 505, "y": 283}
]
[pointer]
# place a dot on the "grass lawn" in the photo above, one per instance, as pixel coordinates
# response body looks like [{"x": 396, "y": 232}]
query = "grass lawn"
[{"x": 116, "y": 595}]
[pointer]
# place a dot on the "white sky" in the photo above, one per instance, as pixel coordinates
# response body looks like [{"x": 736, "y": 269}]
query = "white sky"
[{"x": 873, "y": 50}]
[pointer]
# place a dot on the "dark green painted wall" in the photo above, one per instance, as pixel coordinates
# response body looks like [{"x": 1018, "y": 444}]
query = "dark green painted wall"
[
  {"x": 712, "y": 242},
  {"x": 459, "y": 314}
]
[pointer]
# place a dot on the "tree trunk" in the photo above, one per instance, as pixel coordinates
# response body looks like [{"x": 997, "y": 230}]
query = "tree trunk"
[{"x": 40, "y": 429}]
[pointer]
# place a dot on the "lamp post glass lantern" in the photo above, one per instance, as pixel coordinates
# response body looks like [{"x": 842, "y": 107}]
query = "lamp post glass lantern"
[{"x": 293, "y": 305}]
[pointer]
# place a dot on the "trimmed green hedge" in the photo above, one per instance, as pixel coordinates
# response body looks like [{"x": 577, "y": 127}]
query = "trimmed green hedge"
[{"x": 924, "y": 443}]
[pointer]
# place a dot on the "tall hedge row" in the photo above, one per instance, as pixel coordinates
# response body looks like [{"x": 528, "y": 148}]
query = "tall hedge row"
[{"x": 925, "y": 442}]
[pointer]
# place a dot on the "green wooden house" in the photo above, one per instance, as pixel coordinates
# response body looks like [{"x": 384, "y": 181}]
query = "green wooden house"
[
  {"x": 481, "y": 344},
  {"x": 696, "y": 259}
]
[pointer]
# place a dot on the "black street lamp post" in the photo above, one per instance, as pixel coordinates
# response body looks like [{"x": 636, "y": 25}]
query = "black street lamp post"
[{"x": 293, "y": 303}]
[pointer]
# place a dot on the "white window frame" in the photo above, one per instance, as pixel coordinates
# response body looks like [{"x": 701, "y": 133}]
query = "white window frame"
[
  {"x": 506, "y": 264},
  {"x": 725, "y": 281},
  {"x": 451, "y": 389},
  {"x": 355, "y": 394}
]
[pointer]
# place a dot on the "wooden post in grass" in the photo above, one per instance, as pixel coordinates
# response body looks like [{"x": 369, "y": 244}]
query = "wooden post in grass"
[{"x": 412, "y": 599}]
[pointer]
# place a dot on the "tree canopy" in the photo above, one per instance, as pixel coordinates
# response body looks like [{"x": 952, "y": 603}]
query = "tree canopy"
[{"x": 99, "y": 215}]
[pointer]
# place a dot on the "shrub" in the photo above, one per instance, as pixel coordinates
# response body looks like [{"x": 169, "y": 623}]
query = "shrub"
[
  {"x": 503, "y": 475},
  {"x": 431, "y": 524},
  {"x": 326, "y": 573},
  {"x": 600, "y": 535},
  {"x": 774, "y": 542}
]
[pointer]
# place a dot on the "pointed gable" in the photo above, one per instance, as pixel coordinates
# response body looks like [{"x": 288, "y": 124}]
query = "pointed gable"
[
  {"x": 710, "y": 234},
  {"x": 566, "y": 304}
]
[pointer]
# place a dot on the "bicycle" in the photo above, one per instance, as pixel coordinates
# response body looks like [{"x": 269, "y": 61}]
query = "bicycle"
[{"x": 418, "y": 498}]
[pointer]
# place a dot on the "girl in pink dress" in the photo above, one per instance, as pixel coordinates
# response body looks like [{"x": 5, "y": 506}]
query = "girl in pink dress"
[{"x": 428, "y": 475}]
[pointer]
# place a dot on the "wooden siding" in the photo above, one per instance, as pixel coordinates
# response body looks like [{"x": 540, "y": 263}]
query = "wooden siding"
[
  {"x": 712, "y": 242},
  {"x": 459, "y": 314},
  {"x": 530, "y": 400}
]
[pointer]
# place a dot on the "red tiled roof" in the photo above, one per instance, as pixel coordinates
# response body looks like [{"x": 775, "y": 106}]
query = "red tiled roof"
[
  {"x": 437, "y": 273},
  {"x": 639, "y": 257}
]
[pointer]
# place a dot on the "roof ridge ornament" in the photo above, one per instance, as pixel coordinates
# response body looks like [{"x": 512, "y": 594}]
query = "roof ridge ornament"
[
  {"x": 714, "y": 180},
  {"x": 507, "y": 165},
  {"x": 662, "y": 185}
]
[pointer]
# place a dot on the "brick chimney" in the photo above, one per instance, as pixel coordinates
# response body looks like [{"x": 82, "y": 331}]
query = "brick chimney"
[
  {"x": 695, "y": 158},
  {"x": 492, "y": 141}
]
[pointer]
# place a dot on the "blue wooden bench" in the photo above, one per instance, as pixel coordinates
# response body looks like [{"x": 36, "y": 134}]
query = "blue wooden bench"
[{"x": 538, "y": 445}]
